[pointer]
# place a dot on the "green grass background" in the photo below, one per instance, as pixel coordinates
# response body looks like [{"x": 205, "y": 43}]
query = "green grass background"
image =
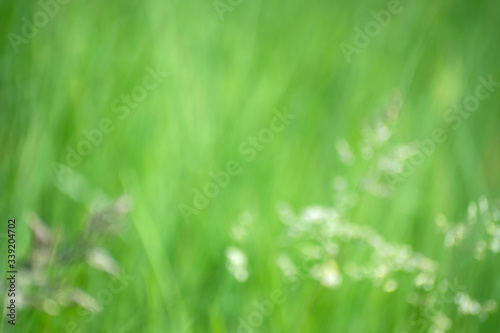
[{"x": 225, "y": 79}]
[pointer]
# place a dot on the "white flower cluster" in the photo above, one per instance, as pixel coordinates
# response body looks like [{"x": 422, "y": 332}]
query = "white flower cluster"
[
  {"x": 321, "y": 244},
  {"x": 432, "y": 304},
  {"x": 323, "y": 235},
  {"x": 389, "y": 162},
  {"x": 320, "y": 231},
  {"x": 469, "y": 306},
  {"x": 378, "y": 180},
  {"x": 236, "y": 260},
  {"x": 440, "y": 323},
  {"x": 327, "y": 273},
  {"x": 237, "y": 263},
  {"x": 376, "y": 132},
  {"x": 482, "y": 220}
]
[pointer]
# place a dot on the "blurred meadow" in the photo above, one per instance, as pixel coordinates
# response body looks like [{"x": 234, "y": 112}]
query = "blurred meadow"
[{"x": 158, "y": 185}]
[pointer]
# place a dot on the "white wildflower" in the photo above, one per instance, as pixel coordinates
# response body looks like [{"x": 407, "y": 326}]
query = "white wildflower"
[
  {"x": 440, "y": 323},
  {"x": 425, "y": 280},
  {"x": 327, "y": 274},
  {"x": 466, "y": 305},
  {"x": 237, "y": 263}
]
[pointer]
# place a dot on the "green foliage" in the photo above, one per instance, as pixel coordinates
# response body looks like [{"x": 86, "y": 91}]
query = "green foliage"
[{"x": 203, "y": 86}]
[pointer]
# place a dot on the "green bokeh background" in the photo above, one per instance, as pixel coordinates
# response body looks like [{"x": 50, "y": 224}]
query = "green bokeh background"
[{"x": 225, "y": 79}]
